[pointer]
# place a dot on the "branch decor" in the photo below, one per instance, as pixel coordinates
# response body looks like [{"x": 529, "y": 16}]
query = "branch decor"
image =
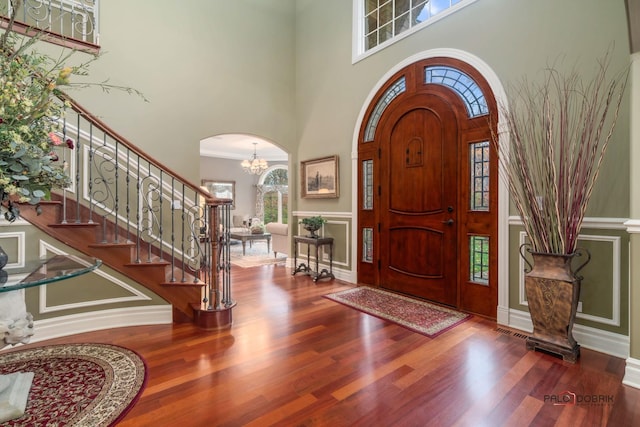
[{"x": 558, "y": 134}]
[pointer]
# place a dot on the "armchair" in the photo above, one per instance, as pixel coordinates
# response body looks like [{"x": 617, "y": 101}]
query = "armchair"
[{"x": 279, "y": 237}]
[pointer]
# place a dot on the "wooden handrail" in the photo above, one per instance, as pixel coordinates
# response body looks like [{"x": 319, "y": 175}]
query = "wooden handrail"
[{"x": 78, "y": 108}]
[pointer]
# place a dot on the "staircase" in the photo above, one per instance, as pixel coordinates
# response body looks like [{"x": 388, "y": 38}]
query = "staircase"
[{"x": 141, "y": 219}]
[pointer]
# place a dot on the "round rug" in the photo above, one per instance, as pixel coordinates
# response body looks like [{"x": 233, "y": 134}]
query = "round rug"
[{"x": 77, "y": 384}]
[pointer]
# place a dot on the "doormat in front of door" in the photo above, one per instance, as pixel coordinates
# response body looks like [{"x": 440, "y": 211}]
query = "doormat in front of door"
[{"x": 419, "y": 316}]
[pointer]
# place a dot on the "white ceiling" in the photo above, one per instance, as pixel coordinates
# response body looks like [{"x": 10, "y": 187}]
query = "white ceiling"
[{"x": 239, "y": 147}]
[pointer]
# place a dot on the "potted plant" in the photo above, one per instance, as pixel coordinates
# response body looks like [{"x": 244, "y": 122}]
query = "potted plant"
[
  {"x": 558, "y": 133},
  {"x": 312, "y": 224}
]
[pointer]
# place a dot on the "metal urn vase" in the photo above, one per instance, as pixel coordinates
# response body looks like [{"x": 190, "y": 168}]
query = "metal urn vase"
[{"x": 553, "y": 288}]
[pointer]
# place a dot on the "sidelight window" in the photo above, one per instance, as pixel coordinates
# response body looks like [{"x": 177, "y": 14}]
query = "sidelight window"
[
  {"x": 479, "y": 165},
  {"x": 479, "y": 262},
  {"x": 367, "y": 244},
  {"x": 367, "y": 185}
]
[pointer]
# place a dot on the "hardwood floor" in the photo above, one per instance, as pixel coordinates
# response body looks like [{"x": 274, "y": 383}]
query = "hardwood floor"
[{"x": 293, "y": 358}]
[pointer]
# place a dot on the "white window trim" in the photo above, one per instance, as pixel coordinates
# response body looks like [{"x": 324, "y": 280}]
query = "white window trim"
[{"x": 357, "y": 33}]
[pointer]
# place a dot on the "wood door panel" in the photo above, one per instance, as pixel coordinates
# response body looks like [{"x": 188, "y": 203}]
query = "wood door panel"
[
  {"x": 419, "y": 199},
  {"x": 417, "y": 252},
  {"x": 416, "y": 181}
]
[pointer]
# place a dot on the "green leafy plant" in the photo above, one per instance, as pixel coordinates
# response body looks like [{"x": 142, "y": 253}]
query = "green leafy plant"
[
  {"x": 313, "y": 222},
  {"x": 558, "y": 133}
]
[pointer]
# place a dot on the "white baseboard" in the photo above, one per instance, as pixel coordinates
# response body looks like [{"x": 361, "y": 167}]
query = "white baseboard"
[
  {"x": 594, "y": 339},
  {"x": 502, "y": 315},
  {"x": 99, "y": 320},
  {"x": 632, "y": 373}
]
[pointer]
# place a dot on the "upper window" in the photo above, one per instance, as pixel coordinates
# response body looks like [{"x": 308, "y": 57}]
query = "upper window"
[{"x": 380, "y": 22}]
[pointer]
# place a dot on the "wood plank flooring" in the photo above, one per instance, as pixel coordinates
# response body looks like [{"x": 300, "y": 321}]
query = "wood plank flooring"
[{"x": 294, "y": 358}]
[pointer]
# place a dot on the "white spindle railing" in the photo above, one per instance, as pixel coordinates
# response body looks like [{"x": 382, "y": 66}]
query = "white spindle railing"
[{"x": 72, "y": 19}]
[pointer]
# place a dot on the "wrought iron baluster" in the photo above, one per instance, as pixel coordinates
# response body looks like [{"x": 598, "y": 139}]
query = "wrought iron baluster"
[
  {"x": 64, "y": 160},
  {"x": 116, "y": 192},
  {"x": 78, "y": 168},
  {"x": 138, "y": 208},
  {"x": 128, "y": 190},
  {"x": 173, "y": 233}
]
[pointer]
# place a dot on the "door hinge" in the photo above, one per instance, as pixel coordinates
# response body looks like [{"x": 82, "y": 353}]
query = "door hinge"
[
  {"x": 379, "y": 227},
  {"x": 379, "y": 152},
  {"x": 379, "y": 190},
  {"x": 379, "y": 265}
]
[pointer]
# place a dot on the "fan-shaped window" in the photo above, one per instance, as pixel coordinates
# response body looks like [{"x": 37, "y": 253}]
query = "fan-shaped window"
[
  {"x": 394, "y": 90},
  {"x": 462, "y": 84}
]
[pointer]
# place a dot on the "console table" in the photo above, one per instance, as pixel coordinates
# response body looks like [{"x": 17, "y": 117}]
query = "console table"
[
  {"x": 317, "y": 243},
  {"x": 14, "y": 388}
]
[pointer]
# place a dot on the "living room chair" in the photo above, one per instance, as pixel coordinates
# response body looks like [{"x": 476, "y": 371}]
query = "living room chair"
[{"x": 279, "y": 237}]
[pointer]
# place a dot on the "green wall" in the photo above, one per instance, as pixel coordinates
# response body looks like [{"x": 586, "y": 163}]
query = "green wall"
[{"x": 206, "y": 66}]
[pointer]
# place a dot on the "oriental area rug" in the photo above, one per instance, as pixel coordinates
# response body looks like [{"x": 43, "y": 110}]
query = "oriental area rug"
[
  {"x": 416, "y": 315},
  {"x": 77, "y": 384}
]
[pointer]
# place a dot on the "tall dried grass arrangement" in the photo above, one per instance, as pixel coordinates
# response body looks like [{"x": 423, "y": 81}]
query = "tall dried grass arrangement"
[{"x": 558, "y": 133}]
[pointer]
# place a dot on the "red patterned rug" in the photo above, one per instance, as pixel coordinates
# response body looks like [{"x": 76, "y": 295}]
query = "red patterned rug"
[
  {"x": 419, "y": 316},
  {"x": 77, "y": 384}
]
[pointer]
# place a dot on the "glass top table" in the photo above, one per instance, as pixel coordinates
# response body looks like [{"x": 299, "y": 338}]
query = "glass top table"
[
  {"x": 46, "y": 270},
  {"x": 20, "y": 323}
]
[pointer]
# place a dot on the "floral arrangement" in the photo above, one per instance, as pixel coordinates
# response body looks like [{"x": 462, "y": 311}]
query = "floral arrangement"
[
  {"x": 28, "y": 125},
  {"x": 30, "y": 113},
  {"x": 559, "y": 131}
]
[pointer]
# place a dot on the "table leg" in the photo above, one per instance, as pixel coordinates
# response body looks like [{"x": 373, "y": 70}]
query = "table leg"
[
  {"x": 315, "y": 277},
  {"x": 302, "y": 268},
  {"x": 331, "y": 259},
  {"x": 295, "y": 258},
  {"x": 244, "y": 247},
  {"x": 326, "y": 273},
  {"x": 268, "y": 244}
]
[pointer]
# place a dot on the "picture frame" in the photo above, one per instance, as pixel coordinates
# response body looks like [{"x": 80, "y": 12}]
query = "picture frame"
[
  {"x": 221, "y": 189},
  {"x": 320, "y": 178}
]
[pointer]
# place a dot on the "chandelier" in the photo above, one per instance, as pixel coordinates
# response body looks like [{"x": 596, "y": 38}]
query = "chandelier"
[{"x": 254, "y": 165}]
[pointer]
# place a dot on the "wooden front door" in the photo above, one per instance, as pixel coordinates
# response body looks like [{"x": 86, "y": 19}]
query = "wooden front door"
[
  {"x": 418, "y": 198},
  {"x": 427, "y": 210}
]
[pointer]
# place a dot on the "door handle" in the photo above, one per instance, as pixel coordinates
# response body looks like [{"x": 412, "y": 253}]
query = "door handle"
[{"x": 448, "y": 222}]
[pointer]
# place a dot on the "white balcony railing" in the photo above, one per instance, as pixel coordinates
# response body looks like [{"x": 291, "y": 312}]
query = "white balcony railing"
[{"x": 71, "y": 19}]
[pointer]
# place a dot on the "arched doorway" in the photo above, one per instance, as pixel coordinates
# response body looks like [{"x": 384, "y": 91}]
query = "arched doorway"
[{"x": 428, "y": 186}]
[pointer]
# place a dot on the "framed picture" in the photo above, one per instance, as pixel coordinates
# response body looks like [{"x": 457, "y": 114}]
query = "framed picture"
[
  {"x": 320, "y": 178},
  {"x": 221, "y": 189}
]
